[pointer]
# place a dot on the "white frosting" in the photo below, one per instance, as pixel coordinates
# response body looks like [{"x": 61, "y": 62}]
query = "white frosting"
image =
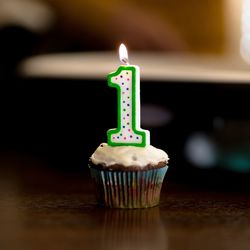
[{"x": 128, "y": 156}]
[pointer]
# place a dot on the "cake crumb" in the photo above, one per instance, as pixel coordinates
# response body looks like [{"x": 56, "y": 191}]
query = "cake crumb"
[{"x": 134, "y": 158}]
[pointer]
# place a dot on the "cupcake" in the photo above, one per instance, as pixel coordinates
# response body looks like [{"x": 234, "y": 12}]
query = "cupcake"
[
  {"x": 127, "y": 170},
  {"x": 128, "y": 176}
]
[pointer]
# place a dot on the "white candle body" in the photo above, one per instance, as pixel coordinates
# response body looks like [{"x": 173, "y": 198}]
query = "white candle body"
[{"x": 127, "y": 81}]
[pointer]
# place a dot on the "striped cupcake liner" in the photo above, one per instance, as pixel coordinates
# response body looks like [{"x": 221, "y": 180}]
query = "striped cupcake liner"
[{"x": 132, "y": 189}]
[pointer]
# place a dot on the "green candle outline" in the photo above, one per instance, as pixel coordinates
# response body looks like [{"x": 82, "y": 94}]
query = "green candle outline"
[{"x": 143, "y": 133}]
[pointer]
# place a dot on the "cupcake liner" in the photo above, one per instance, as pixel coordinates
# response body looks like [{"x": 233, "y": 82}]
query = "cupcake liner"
[{"x": 130, "y": 189}]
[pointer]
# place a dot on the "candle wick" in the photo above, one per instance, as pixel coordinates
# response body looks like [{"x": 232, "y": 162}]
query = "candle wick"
[{"x": 125, "y": 60}]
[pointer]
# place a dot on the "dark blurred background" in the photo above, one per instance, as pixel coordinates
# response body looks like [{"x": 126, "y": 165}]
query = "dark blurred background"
[{"x": 203, "y": 125}]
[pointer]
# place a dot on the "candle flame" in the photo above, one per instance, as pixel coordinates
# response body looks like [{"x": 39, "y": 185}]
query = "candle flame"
[{"x": 123, "y": 54}]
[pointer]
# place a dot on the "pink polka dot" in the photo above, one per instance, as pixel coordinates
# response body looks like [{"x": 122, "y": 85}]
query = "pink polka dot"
[
  {"x": 128, "y": 79},
  {"x": 123, "y": 93},
  {"x": 124, "y": 137},
  {"x": 129, "y": 130}
]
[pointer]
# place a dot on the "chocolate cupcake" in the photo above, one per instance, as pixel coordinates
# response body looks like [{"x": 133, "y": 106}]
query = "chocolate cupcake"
[{"x": 128, "y": 176}]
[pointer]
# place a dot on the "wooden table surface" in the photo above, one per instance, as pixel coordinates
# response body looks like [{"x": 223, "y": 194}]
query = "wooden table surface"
[{"x": 47, "y": 208}]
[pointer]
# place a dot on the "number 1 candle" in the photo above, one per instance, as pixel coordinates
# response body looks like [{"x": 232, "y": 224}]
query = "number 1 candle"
[{"x": 127, "y": 82}]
